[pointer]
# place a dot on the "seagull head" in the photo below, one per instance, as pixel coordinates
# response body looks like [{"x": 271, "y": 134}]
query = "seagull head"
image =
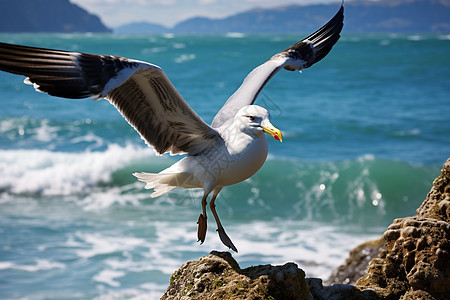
[{"x": 255, "y": 120}]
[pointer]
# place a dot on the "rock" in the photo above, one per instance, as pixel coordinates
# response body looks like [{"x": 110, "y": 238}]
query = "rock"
[
  {"x": 416, "y": 262},
  {"x": 437, "y": 203},
  {"x": 357, "y": 263},
  {"x": 338, "y": 291},
  {"x": 218, "y": 276},
  {"x": 416, "y": 258},
  {"x": 418, "y": 295}
]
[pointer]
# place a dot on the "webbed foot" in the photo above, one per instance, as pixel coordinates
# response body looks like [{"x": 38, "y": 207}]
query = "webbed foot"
[{"x": 225, "y": 239}]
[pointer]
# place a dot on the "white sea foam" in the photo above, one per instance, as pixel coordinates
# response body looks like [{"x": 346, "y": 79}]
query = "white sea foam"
[
  {"x": 184, "y": 58},
  {"x": 153, "y": 50},
  {"x": 179, "y": 45},
  {"x": 132, "y": 294},
  {"x": 94, "y": 140},
  {"x": 39, "y": 265},
  {"x": 98, "y": 200},
  {"x": 108, "y": 277},
  {"x": 45, "y": 132},
  {"x": 62, "y": 173},
  {"x": 415, "y": 37},
  {"x": 236, "y": 35},
  {"x": 407, "y": 133},
  {"x": 98, "y": 244},
  {"x": 316, "y": 248}
]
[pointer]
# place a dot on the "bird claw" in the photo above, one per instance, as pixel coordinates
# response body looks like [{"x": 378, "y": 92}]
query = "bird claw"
[
  {"x": 226, "y": 240},
  {"x": 201, "y": 229}
]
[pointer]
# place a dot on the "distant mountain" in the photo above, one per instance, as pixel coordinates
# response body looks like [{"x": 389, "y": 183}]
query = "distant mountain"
[
  {"x": 399, "y": 16},
  {"x": 360, "y": 16},
  {"x": 288, "y": 19},
  {"x": 47, "y": 16}
]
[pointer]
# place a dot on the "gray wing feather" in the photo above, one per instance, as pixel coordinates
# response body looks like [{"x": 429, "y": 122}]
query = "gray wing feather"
[
  {"x": 140, "y": 91},
  {"x": 298, "y": 56},
  {"x": 157, "y": 111}
]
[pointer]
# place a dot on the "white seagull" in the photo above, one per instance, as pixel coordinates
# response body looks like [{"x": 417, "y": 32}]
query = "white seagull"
[{"x": 228, "y": 151}]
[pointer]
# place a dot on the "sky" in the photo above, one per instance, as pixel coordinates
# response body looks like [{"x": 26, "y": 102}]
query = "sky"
[{"x": 169, "y": 12}]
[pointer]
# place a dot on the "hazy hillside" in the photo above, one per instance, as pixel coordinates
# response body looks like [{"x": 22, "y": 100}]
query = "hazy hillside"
[
  {"x": 47, "y": 16},
  {"x": 366, "y": 16},
  {"x": 360, "y": 16}
]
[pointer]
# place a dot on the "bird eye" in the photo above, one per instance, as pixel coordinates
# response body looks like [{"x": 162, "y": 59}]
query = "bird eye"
[{"x": 251, "y": 118}]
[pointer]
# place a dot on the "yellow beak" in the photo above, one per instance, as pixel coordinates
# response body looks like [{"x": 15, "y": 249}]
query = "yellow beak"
[{"x": 273, "y": 131}]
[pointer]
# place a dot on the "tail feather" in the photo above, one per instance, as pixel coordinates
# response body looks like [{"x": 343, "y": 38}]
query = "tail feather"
[
  {"x": 161, "y": 189},
  {"x": 151, "y": 179},
  {"x": 162, "y": 183},
  {"x": 154, "y": 181}
]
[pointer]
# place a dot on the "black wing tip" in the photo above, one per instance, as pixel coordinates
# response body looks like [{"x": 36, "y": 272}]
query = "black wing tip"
[
  {"x": 327, "y": 36},
  {"x": 47, "y": 69},
  {"x": 60, "y": 73}
]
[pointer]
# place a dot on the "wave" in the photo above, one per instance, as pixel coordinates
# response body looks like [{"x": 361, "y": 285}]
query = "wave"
[
  {"x": 361, "y": 190},
  {"x": 366, "y": 191},
  {"x": 43, "y": 172}
]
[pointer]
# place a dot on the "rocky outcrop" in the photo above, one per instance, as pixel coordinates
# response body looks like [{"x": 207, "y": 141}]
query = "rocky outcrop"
[
  {"x": 416, "y": 259},
  {"x": 357, "y": 263},
  {"x": 437, "y": 204},
  {"x": 218, "y": 276},
  {"x": 416, "y": 262},
  {"x": 412, "y": 261}
]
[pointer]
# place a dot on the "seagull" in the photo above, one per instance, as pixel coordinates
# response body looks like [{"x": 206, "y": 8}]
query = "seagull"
[{"x": 228, "y": 151}]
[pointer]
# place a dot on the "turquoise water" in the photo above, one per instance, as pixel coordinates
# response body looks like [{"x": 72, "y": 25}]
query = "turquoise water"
[{"x": 366, "y": 131}]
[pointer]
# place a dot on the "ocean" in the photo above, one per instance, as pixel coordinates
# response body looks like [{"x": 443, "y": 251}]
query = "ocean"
[{"x": 366, "y": 130}]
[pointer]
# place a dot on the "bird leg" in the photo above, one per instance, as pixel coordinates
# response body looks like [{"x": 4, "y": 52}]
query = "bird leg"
[
  {"x": 222, "y": 234},
  {"x": 202, "y": 224}
]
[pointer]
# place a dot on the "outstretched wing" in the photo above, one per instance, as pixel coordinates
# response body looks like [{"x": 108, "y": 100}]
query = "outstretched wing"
[
  {"x": 298, "y": 56},
  {"x": 140, "y": 91}
]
